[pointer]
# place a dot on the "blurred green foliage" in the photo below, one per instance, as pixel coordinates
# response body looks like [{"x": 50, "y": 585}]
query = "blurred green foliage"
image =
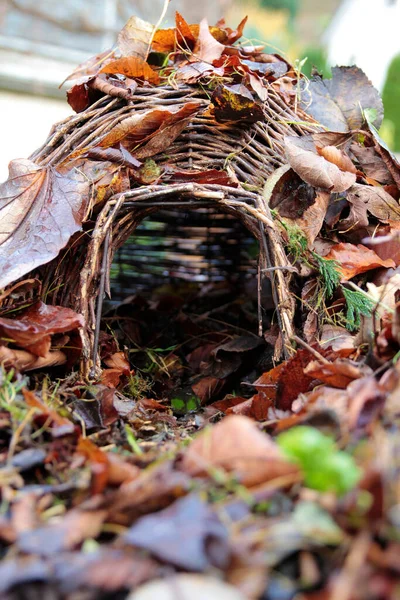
[
  {"x": 316, "y": 57},
  {"x": 391, "y": 101},
  {"x": 291, "y": 5}
]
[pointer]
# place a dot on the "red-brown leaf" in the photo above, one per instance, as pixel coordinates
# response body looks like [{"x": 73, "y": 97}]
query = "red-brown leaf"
[
  {"x": 354, "y": 260},
  {"x": 133, "y": 67},
  {"x": 165, "y": 123},
  {"x": 39, "y": 211},
  {"x": 34, "y": 329},
  {"x": 237, "y": 446}
]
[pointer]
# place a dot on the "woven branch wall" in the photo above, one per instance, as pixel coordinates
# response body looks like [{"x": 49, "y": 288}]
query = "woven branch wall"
[{"x": 247, "y": 153}]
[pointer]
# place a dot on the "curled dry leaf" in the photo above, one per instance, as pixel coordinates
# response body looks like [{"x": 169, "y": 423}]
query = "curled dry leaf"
[
  {"x": 135, "y": 38},
  {"x": 192, "y": 72},
  {"x": 207, "y": 48},
  {"x": 353, "y": 260},
  {"x": 374, "y": 200},
  {"x": 386, "y": 246},
  {"x": 338, "y": 339},
  {"x": 133, "y": 67},
  {"x": 338, "y": 158},
  {"x": 337, "y": 374},
  {"x": 34, "y": 329},
  {"x": 315, "y": 170},
  {"x": 39, "y": 211},
  {"x": 371, "y": 163},
  {"x": 338, "y": 103},
  {"x": 235, "y": 103},
  {"x": 167, "y": 40},
  {"x": 163, "y": 124},
  {"x": 239, "y": 447},
  {"x": 23, "y": 361},
  {"x": 292, "y": 379}
]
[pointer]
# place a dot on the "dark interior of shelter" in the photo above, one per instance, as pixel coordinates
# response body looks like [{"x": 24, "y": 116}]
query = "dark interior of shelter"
[{"x": 185, "y": 303}]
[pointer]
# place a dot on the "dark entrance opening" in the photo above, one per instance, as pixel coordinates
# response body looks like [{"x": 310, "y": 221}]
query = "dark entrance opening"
[
  {"x": 185, "y": 305},
  {"x": 175, "y": 245}
]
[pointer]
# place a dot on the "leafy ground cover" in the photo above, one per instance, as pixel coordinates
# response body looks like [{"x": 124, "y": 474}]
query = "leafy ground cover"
[{"x": 197, "y": 465}]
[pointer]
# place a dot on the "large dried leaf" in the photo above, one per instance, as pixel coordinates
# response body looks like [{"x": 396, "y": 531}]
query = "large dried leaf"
[
  {"x": 337, "y": 157},
  {"x": 39, "y": 211},
  {"x": 292, "y": 379},
  {"x": 237, "y": 446},
  {"x": 297, "y": 201},
  {"x": 184, "y": 535},
  {"x": 183, "y": 36},
  {"x": 364, "y": 200},
  {"x": 134, "y": 39},
  {"x": 235, "y": 103},
  {"x": 337, "y": 374},
  {"x": 193, "y": 71},
  {"x": 34, "y": 329},
  {"x": 207, "y": 48},
  {"x": 371, "y": 163},
  {"x": 141, "y": 127},
  {"x": 133, "y": 67},
  {"x": 338, "y": 103},
  {"x": 314, "y": 169},
  {"x": 354, "y": 260},
  {"x": 167, "y": 40}
]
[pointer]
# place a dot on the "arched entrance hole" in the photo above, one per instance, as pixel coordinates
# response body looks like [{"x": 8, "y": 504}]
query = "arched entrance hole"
[{"x": 183, "y": 285}]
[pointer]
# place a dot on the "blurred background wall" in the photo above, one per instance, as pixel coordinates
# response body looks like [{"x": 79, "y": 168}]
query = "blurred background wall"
[{"x": 41, "y": 42}]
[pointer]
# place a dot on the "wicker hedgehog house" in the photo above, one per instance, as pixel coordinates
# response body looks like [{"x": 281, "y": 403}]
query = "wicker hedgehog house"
[{"x": 211, "y": 169}]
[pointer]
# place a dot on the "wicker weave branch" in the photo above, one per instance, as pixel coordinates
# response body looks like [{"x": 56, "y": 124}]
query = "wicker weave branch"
[{"x": 250, "y": 153}]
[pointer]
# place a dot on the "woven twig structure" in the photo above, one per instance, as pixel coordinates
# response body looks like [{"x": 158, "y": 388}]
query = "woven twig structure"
[{"x": 251, "y": 152}]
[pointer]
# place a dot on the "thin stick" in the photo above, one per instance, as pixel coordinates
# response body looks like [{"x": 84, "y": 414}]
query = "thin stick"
[
  {"x": 317, "y": 355},
  {"x": 102, "y": 285},
  {"x": 156, "y": 26}
]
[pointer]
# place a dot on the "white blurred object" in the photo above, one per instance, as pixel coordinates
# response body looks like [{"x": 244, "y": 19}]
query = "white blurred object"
[
  {"x": 365, "y": 33},
  {"x": 186, "y": 586},
  {"x": 25, "y": 122}
]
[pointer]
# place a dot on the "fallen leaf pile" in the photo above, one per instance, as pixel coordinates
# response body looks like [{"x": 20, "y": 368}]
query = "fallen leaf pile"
[{"x": 195, "y": 466}]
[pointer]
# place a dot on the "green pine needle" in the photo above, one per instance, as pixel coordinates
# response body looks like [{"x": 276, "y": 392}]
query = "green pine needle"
[
  {"x": 357, "y": 304},
  {"x": 329, "y": 272}
]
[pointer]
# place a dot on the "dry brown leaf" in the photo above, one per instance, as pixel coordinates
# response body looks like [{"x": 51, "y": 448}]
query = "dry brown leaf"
[
  {"x": 375, "y": 200},
  {"x": 313, "y": 217},
  {"x": 23, "y": 361},
  {"x": 133, "y": 67},
  {"x": 354, "y": 260},
  {"x": 338, "y": 158},
  {"x": 207, "y": 48},
  {"x": 239, "y": 447},
  {"x": 167, "y": 40},
  {"x": 34, "y": 329},
  {"x": 371, "y": 163},
  {"x": 338, "y": 103},
  {"x": 337, "y": 374},
  {"x": 134, "y": 39},
  {"x": 142, "y": 126},
  {"x": 315, "y": 170},
  {"x": 39, "y": 211},
  {"x": 338, "y": 339}
]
